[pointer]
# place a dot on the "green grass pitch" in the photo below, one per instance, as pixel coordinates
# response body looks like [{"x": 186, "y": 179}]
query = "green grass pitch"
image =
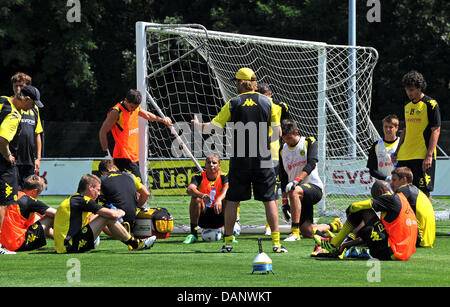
[{"x": 173, "y": 264}]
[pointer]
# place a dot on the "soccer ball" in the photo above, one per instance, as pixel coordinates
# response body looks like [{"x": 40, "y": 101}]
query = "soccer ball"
[
  {"x": 236, "y": 229},
  {"x": 209, "y": 235}
]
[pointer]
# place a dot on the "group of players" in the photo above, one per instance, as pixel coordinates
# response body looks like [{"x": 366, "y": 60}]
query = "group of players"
[
  {"x": 75, "y": 225},
  {"x": 407, "y": 217},
  {"x": 404, "y": 168}
]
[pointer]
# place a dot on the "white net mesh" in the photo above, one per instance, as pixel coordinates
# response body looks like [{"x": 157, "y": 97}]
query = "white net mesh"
[{"x": 311, "y": 78}]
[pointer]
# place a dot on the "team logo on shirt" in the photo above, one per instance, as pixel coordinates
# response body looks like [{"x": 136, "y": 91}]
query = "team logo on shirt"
[
  {"x": 249, "y": 103},
  {"x": 433, "y": 103}
]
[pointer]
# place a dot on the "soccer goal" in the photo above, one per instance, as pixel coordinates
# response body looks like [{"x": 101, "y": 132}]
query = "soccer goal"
[{"x": 187, "y": 70}]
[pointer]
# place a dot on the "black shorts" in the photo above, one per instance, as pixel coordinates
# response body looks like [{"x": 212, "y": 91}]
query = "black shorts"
[
  {"x": 376, "y": 237},
  {"x": 209, "y": 219},
  {"x": 424, "y": 180},
  {"x": 125, "y": 165},
  {"x": 34, "y": 238},
  {"x": 8, "y": 186},
  {"x": 82, "y": 241},
  {"x": 312, "y": 194},
  {"x": 242, "y": 182}
]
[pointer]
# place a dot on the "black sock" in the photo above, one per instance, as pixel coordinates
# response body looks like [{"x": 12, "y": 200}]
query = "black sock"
[
  {"x": 132, "y": 242},
  {"x": 194, "y": 228}
]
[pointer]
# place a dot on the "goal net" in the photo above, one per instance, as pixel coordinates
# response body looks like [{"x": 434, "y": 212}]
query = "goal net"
[{"x": 187, "y": 71}]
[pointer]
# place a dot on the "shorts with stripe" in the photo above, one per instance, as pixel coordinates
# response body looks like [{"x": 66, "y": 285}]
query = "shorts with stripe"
[
  {"x": 8, "y": 186},
  {"x": 423, "y": 179},
  {"x": 82, "y": 241},
  {"x": 376, "y": 237},
  {"x": 34, "y": 238}
]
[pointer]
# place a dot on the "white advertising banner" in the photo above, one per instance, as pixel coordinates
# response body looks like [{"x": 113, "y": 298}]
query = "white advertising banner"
[
  {"x": 62, "y": 176},
  {"x": 353, "y": 178}
]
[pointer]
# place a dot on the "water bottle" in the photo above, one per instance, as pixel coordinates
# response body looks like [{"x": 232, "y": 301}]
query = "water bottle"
[
  {"x": 212, "y": 195},
  {"x": 111, "y": 206}
]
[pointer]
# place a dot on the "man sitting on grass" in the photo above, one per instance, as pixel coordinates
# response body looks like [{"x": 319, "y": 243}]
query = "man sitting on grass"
[
  {"x": 391, "y": 237},
  {"x": 204, "y": 211},
  {"x": 79, "y": 221},
  {"x": 29, "y": 221}
]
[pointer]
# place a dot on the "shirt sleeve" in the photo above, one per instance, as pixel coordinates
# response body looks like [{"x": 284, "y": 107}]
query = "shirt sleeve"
[
  {"x": 39, "y": 128},
  {"x": 372, "y": 163},
  {"x": 223, "y": 117},
  {"x": 434, "y": 117},
  {"x": 224, "y": 179},
  {"x": 8, "y": 127},
  {"x": 37, "y": 206},
  {"x": 137, "y": 182},
  {"x": 92, "y": 206},
  {"x": 282, "y": 173},
  {"x": 196, "y": 180},
  {"x": 372, "y": 157},
  {"x": 284, "y": 111},
  {"x": 313, "y": 155},
  {"x": 275, "y": 114},
  {"x": 388, "y": 205}
]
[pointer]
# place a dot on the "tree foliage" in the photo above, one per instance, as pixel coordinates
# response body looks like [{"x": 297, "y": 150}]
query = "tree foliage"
[{"x": 83, "y": 68}]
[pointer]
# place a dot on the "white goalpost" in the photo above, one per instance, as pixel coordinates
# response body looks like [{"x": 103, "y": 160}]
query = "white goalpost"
[{"x": 186, "y": 70}]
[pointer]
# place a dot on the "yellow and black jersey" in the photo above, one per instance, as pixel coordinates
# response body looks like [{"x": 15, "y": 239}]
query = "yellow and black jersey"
[
  {"x": 423, "y": 209},
  {"x": 30, "y": 126},
  {"x": 71, "y": 216},
  {"x": 10, "y": 128},
  {"x": 284, "y": 110},
  {"x": 119, "y": 189},
  {"x": 419, "y": 118},
  {"x": 251, "y": 115}
]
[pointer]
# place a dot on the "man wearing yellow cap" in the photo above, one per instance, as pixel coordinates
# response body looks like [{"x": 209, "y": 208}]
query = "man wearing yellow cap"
[{"x": 252, "y": 118}]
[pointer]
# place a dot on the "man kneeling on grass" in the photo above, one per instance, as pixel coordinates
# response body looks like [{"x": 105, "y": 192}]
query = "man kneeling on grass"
[{"x": 79, "y": 221}]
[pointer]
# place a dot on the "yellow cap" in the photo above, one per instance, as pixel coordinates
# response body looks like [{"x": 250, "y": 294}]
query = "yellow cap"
[{"x": 245, "y": 73}]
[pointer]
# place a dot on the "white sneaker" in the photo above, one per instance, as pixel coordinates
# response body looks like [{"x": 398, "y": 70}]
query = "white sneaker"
[
  {"x": 148, "y": 243},
  {"x": 279, "y": 249},
  {"x": 4, "y": 251},
  {"x": 267, "y": 231},
  {"x": 292, "y": 237},
  {"x": 226, "y": 249}
]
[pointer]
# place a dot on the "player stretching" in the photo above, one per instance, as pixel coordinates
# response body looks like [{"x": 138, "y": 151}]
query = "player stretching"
[{"x": 391, "y": 237}]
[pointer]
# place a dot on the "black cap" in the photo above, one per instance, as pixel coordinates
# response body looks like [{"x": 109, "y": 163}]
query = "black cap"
[{"x": 33, "y": 93}]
